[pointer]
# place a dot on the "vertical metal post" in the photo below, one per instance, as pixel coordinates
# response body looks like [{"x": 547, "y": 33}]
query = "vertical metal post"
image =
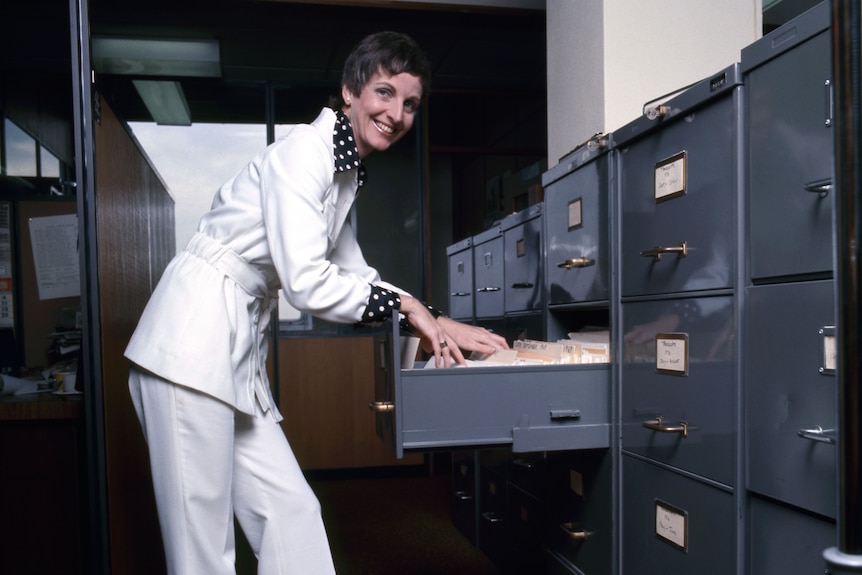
[{"x": 846, "y": 558}]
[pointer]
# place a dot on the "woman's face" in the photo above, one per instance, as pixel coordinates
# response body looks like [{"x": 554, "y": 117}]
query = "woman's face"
[{"x": 384, "y": 111}]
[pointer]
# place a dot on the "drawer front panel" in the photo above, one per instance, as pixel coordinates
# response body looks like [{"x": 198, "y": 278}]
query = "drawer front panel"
[
  {"x": 461, "y": 284},
  {"x": 791, "y": 149},
  {"x": 533, "y": 409},
  {"x": 791, "y": 395},
  {"x": 678, "y": 189},
  {"x": 576, "y": 224},
  {"x": 785, "y": 541},
  {"x": 579, "y": 500},
  {"x": 674, "y": 524},
  {"x": 678, "y": 394},
  {"x": 488, "y": 269}
]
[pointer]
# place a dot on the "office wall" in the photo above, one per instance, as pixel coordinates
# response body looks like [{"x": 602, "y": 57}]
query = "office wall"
[{"x": 607, "y": 59}]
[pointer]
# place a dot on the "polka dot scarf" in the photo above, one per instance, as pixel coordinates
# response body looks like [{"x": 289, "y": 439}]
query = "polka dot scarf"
[{"x": 344, "y": 146}]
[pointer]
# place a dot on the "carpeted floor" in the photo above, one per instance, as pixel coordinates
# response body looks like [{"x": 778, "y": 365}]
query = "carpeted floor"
[{"x": 395, "y": 526}]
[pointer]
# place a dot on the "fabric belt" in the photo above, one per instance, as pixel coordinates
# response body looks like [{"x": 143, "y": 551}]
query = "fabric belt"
[
  {"x": 255, "y": 283},
  {"x": 231, "y": 264}
]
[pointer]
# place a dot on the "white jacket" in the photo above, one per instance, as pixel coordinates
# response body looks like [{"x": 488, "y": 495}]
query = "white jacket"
[{"x": 286, "y": 216}]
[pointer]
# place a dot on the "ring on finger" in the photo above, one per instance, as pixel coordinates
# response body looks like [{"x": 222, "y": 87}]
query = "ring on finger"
[{"x": 443, "y": 344}]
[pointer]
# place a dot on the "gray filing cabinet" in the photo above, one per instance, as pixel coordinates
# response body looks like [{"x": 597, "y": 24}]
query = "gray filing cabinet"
[
  {"x": 460, "y": 258},
  {"x": 679, "y": 184},
  {"x": 789, "y": 381}
]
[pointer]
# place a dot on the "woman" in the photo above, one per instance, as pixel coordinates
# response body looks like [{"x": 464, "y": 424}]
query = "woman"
[{"x": 198, "y": 379}]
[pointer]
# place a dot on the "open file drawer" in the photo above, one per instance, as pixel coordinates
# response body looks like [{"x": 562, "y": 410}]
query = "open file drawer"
[{"x": 531, "y": 408}]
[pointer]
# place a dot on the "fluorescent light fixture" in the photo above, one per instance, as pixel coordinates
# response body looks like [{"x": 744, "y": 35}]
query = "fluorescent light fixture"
[
  {"x": 165, "y": 101},
  {"x": 156, "y": 57}
]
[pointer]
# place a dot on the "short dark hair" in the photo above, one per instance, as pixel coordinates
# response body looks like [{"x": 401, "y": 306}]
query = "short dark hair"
[{"x": 394, "y": 52}]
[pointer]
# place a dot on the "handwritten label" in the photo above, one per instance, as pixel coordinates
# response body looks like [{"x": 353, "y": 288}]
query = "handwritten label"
[
  {"x": 671, "y": 353},
  {"x": 671, "y": 525},
  {"x": 670, "y": 177}
]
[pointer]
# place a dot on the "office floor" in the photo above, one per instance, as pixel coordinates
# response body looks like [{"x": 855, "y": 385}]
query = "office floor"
[{"x": 381, "y": 525}]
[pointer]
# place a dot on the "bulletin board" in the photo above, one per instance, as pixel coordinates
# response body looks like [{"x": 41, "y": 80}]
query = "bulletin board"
[{"x": 41, "y": 315}]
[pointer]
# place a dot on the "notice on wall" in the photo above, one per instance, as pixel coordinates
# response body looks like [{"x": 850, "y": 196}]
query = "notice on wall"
[{"x": 55, "y": 255}]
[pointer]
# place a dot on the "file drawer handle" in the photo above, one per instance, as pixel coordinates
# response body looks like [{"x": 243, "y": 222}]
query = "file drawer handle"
[
  {"x": 487, "y": 289},
  {"x": 576, "y": 263},
  {"x": 460, "y": 294},
  {"x": 658, "y": 425},
  {"x": 381, "y": 406},
  {"x": 565, "y": 413},
  {"x": 574, "y": 533},
  {"x": 818, "y": 434},
  {"x": 492, "y": 517},
  {"x": 681, "y": 250},
  {"x": 821, "y": 187},
  {"x": 522, "y": 285},
  {"x": 463, "y": 496}
]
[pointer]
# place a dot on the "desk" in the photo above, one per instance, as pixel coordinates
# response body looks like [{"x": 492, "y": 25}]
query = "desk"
[{"x": 42, "y": 528}]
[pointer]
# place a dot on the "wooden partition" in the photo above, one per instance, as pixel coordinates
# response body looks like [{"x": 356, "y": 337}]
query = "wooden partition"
[{"x": 135, "y": 220}]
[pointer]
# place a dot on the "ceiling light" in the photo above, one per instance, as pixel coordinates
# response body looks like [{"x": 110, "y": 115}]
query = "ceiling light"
[
  {"x": 156, "y": 57},
  {"x": 165, "y": 101}
]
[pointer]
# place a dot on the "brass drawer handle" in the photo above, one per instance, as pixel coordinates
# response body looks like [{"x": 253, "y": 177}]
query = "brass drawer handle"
[
  {"x": 818, "y": 434},
  {"x": 658, "y": 425},
  {"x": 381, "y": 406},
  {"x": 576, "y": 263},
  {"x": 574, "y": 533},
  {"x": 681, "y": 250}
]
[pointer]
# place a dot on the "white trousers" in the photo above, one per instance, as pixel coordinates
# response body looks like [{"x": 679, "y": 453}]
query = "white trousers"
[{"x": 210, "y": 462}]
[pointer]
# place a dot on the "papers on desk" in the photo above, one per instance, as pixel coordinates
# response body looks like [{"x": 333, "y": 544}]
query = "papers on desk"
[
  {"x": 15, "y": 386},
  {"x": 579, "y": 348}
]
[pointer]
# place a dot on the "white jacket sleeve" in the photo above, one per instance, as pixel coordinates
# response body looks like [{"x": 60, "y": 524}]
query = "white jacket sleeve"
[{"x": 302, "y": 204}]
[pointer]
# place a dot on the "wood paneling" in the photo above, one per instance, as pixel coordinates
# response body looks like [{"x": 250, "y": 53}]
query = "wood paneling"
[
  {"x": 325, "y": 386},
  {"x": 136, "y": 238}
]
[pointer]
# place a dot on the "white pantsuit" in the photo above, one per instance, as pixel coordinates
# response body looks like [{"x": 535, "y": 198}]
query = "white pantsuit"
[
  {"x": 196, "y": 442},
  {"x": 199, "y": 351}
]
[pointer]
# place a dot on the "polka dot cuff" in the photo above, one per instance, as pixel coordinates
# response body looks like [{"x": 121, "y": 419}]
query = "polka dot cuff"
[{"x": 381, "y": 304}]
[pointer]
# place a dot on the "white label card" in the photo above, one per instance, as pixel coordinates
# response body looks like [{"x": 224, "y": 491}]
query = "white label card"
[
  {"x": 575, "y": 214},
  {"x": 830, "y": 352},
  {"x": 671, "y": 353},
  {"x": 670, "y": 177},
  {"x": 671, "y": 525}
]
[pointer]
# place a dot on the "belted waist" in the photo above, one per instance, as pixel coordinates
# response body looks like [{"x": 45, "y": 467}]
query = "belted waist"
[{"x": 249, "y": 278}]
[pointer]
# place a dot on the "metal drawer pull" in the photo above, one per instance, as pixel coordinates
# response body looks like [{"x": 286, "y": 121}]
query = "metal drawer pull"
[
  {"x": 492, "y": 517},
  {"x": 460, "y": 294},
  {"x": 822, "y": 187},
  {"x": 381, "y": 406},
  {"x": 576, "y": 263},
  {"x": 658, "y": 425},
  {"x": 565, "y": 413},
  {"x": 681, "y": 250},
  {"x": 522, "y": 285},
  {"x": 487, "y": 289},
  {"x": 818, "y": 434},
  {"x": 574, "y": 533},
  {"x": 463, "y": 496}
]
